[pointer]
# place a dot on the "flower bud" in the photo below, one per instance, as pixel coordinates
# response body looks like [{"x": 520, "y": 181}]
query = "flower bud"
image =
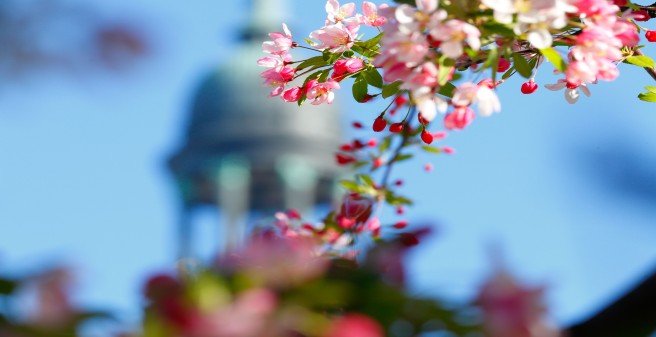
[
  {"x": 529, "y": 87},
  {"x": 640, "y": 15},
  {"x": 396, "y": 127},
  {"x": 503, "y": 65},
  {"x": 379, "y": 124},
  {"x": 651, "y": 35},
  {"x": 426, "y": 136}
]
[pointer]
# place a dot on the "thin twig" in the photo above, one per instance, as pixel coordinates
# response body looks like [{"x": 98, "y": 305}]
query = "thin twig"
[{"x": 406, "y": 135}]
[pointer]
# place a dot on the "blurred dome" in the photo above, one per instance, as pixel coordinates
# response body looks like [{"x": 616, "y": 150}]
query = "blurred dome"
[{"x": 234, "y": 119}]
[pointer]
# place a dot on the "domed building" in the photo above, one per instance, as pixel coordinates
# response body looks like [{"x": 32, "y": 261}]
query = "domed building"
[{"x": 246, "y": 151}]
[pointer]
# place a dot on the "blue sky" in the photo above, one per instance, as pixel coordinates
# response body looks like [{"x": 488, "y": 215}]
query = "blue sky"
[{"x": 82, "y": 177}]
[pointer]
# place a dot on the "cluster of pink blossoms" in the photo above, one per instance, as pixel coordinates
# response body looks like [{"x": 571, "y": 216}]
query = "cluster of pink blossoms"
[
  {"x": 408, "y": 51},
  {"x": 597, "y": 49},
  {"x": 337, "y": 36}
]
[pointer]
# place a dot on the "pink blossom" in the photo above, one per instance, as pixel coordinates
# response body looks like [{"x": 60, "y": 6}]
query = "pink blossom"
[
  {"x": 571, "y": 90},
  {"x": 336, "y": 37},
  {"x": 320, "y": 93},
  {"x": 465, "y": 94},
  {"x": 53, "y": 307},
  {"x": 579, "y": 72},
  {"x": 355, "y": 325},
  {"x": 459, "y": 118},
  {"x": 246, "y": 316},
  {"x": 428, "y": 105},
  {"x": 343, "y": 67},
  {"x": 453, "y": 33},
  {"x": 293, "y": 94},
  {"x": 277, "y": 78},
  {"x": 337, "y": 13},
  {"x": 280, "y": 42},
  {"x": 278, "y": 262},
  {"x": 468, "y": 93},
  {"x": 400, "y": 48},
  {"x": 512, "y": 310},
  {"x": 371, "y": 17},
  {"x": 425, "y": 15},
  {"x": 626, "y": 32},
  {"x": 354, "y": 211}
]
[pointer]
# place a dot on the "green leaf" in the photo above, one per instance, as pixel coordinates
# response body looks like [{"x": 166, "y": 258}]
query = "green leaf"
[
  {"x": 315, "y": 62},
  {"x": 350, "y": 185},
  {"x": 368, "y": 48},
  {"x": 447, "y": 89},
  {"x": 402, "y": 157},
  {"x": 324, "y": 76},
  {"x": 492, "y": 60},
  {"x": 498, "y": 28},
  {"x": 522, "y": 66},
  {"x": 385, "y": 144},
  {"x": 330, "y": 57},
  {"x": 651, "y": 88},
  {"x": 371, "y": 43},
  {"x": 511, "y": 71},
  {"x": 648, "y": 97},
  {"x": 360, "y": 88},
  {"x": 315, "y": 76},
  {"x": 431, "y": 149},
  {"x": 366, "y": 179},
  {"x": 396, "y": 200},
  {"x": 446, "y": 64},
  {"x": 391, "y": 89},
  {"x": 373, "y": 77},
  {"x": 640, "y": 61},
  {"x": 553, "y": 57}
]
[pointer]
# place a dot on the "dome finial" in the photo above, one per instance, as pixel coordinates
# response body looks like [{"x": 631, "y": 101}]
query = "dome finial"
[{"x": 266, "y": 16}]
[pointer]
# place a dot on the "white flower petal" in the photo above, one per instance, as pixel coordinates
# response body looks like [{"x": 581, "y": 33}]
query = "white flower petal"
[
  {"x": 571, "y": 95},
  {"x": 404, "y": 14},
  {"x": 452, "y": 49},
  {"x": 540, "y": 38}
]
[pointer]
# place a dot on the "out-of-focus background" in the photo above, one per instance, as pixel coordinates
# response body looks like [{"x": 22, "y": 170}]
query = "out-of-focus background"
[{"x": 96, "y": 96}]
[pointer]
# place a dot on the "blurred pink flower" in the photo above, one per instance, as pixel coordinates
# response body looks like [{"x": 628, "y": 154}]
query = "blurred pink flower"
[
  {"x": 512, "y": 310},
  {"x": 355, "y": 325}
]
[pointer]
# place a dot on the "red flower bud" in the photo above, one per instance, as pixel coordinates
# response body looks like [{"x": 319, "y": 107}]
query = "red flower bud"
[
  {"x": 343, "y": 159},
  {"x": 401, "y": 224},
  {"x": 379, "y": 124},
  {"x": 346, "y": 147},
  {"x": 396, "y": 127},
  {"x": 426, "y": 137},
  {"x": 503, "y": 65},
  {"x": 640, "y": 15},
  {"x": 357, "y": 144},
  {"x": 400, "y": 100},
  {"x": 529, "y": 87},
  {"x": 651, "y": 35},
  {"x": 357, "y": 125}
]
